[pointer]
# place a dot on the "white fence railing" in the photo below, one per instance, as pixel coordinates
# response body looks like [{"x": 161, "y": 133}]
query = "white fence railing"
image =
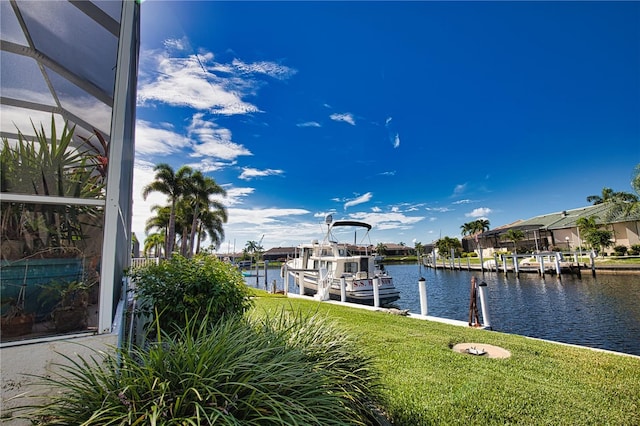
[{"x": 137, "y": 262}]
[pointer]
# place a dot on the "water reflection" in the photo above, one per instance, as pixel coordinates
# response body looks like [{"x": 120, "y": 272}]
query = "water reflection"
[{"x": 601, "y": 312}]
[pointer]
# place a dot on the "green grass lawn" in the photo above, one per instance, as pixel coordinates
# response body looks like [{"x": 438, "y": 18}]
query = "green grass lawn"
[{"x": 425, "y": 382}]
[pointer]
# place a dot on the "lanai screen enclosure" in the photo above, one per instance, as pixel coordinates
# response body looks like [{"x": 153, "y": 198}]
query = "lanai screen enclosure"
[{"x": 67, "y": 117}]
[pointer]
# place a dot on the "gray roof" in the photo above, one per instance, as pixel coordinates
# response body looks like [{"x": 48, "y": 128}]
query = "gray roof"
[{"x": 568, "y": 218}]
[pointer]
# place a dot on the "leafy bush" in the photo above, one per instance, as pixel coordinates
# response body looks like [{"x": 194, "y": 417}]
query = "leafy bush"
[
  {"x": 620, "y": 250},
  {"x": 202, "y": 286},
  {"x": 634, "y": 250},
  {"x": 287, "y": 370}
]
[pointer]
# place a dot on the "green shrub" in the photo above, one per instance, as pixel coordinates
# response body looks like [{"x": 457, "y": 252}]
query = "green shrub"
[
  {"x": 182, "y": 288},
  {"x": 620, "y": 250},
  {"x": 284, "y": 371},
  {"x": 634, "y": 250}
]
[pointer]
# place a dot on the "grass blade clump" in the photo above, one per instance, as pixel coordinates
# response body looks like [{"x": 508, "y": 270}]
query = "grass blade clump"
[
  {"x": 286, "y": 370},
  {"x": 329, "y": 349}
]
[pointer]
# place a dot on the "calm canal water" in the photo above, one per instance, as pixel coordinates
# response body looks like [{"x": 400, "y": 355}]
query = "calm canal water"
[{"x": 601, "y": 312}]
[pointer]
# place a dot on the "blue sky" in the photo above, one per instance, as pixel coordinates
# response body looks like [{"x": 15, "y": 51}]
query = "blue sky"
[{"x": 416, "y": 117}]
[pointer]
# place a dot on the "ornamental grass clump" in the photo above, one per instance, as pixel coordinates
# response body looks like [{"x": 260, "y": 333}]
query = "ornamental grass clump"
[
  {"x": 231, "y": 372},
  {"x": 181, "y": 288}
]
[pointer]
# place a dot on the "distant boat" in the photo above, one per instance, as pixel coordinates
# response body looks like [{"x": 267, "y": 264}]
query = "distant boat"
[
  {"x": 319, "y": 266},
  {"x": 244, "y": 264}
]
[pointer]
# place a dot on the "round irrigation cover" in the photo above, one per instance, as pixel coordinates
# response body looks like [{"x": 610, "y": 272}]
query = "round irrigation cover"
[{"x": 481, "y": 350}]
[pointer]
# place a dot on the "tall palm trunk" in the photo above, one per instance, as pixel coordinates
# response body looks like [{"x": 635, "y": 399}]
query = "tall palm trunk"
[
  {"x": 171, "y": 231},
  {"x": 194, "y": 228}
]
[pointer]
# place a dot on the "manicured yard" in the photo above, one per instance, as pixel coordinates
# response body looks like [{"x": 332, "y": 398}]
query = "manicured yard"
[{"x": 425, "y": 382}]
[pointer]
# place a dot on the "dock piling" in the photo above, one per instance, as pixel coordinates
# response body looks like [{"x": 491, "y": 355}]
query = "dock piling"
[
  {"x": 474, "y": 317},
  {"x": 484, "y": 306},
  {"x": 422, "y": 289},
  {"x": 301, "y": 283},
  {"x": 376, "y": 292}
]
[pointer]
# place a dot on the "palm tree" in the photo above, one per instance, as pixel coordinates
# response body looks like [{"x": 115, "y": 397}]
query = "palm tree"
[
  {"x": 481, "y": 225},
  {"x": 251, "y": 247},
  {"x": 160, "y": 221},
  {"x": 154, "y": 241},
  {"x": 635, "y": 180},
  {"x": 445, "y": 244},
  {"x": 467, "y": 229},
  {"x": 514, "y": 235},
  {"x": 474, "y": 228},
  {"x": 171, "y": 184},
  {"x": 211, "y": 225},
  {"x": 419, "y": 248},
  {"x": 587, "y": 224},
  {"x": 626, "y": 204},
  {"x": 607, "y": 194},
  {"x": 611, "y": 196},
  {"x": 199, "y": 189},
  {"x": 381, "y": 249},
  {"x": 596, "y": 238}
]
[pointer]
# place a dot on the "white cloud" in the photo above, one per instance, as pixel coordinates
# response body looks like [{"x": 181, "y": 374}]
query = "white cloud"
[
  {"x": 481, "y": 212},
  {"x": 346, "y": 117},
  {"x": 249, "y": 173},
  {"x": 460, "y": 189},
  {"x": 467, "y": 201},
  {"x": 386, "y": 221},
  {"x": 196, "y": 81},
  {"x": 207, "y": 165},
  {"x": 396, "y": 140},
  {"x": 187, "y": 82},
  {"x": 154, "y": 140},
  {"x": 214, "y": 141},
  {"x": 176, "y": 44},
  {"x": 361, "y": 199},
  {"x": 376, "y": 209},
  {"x": 309, "y": 124},
  {"x": 438, "y": 209},
  {"x": 261, "y": 216},
  {"x": 236, "y": 195},
  {"x": 394, "y": 136},
  {"x": 271, "y": 69}
]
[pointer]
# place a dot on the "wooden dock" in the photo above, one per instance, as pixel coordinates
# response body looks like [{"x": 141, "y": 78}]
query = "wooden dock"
[{"x": 529, "y": 264}]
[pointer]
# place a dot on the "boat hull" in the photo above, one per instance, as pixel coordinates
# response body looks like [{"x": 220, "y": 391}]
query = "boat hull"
[{"x": 364, "y": 295}]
